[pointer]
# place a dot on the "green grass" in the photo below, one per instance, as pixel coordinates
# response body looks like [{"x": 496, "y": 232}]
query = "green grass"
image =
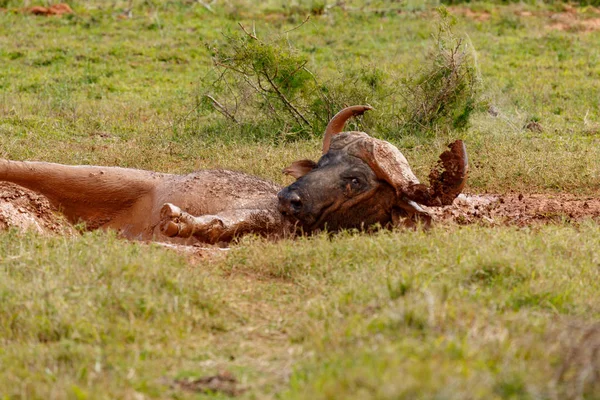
[
  {"x": 391, "y": 315},
  {"x": 469, "y": 312}
]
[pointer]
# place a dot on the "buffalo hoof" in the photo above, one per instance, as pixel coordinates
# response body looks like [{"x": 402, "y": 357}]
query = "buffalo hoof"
[{"x": 175, "y": 222}]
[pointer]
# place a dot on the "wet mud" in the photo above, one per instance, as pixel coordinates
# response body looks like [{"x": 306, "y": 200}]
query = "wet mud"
[
  {"x": 448, "y": 177},
  {"x": 24, "y": 209},
  {"x": 517, "y": 209}
]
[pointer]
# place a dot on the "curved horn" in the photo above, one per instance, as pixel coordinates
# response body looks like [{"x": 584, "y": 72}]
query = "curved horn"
[{"x": 336, "y": 125}]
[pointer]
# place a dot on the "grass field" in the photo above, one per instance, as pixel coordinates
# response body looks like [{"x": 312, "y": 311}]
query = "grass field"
[{"x": 459, "y": 312}]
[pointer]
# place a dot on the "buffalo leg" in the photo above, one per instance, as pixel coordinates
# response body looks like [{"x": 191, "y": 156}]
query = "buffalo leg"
[
  {"x": 217, "y": 228},
  {"x": 89, "y": 194}
]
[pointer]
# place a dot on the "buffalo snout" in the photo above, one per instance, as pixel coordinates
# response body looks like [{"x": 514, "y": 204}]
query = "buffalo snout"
[{"x": 290, "y": 202}]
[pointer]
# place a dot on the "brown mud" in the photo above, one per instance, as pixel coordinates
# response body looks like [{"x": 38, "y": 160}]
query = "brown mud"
[
  {"x": 448, "y": 177},
  {"x": 24, "y": 209},
  {"x": 518, "y": 209}
]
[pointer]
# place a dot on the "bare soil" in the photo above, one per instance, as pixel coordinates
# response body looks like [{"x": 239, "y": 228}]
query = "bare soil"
[
  {"x": 568, "y": 19},
  {"x": 25, "y": 210},
  {"x": 223, "y": 382},
  {"x": 571, "y": 21},
  {"x": 477, "y": 15},
  {"x": 55, "y": 9}
]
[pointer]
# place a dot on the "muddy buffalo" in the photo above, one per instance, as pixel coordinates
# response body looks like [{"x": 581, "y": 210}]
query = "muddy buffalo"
[{"x": 358, "y": 182}]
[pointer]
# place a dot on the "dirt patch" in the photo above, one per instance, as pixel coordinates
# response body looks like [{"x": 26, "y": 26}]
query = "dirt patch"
[
  {"x": 197, "y": 254},
  {"x": 26, "y": 210},
  {"x": 477, "y": 15},
  {"x": 223, "y": 382},
  {"x": 570, "y": 21},
  {"x": 570, "y": 18},
  {"x": 518, "y": 209},
  {"x": 55, "y": 9}
]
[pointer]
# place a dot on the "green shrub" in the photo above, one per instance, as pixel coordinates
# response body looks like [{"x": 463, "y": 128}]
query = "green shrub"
[
  {"x": 445, "y": 93},
  {"x": 269, "y": 88},
  {"x": 266, "y": 83}
]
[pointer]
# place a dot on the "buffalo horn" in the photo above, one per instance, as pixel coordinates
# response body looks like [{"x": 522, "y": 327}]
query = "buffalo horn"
[{"x": 336, "y": 125}]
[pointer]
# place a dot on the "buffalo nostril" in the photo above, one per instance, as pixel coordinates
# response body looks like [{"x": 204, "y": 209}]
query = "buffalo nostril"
[
  {"x": 289, "y": 202},
  {"x": 296, "y": 204},
  {"x": 294, "y": 200}
]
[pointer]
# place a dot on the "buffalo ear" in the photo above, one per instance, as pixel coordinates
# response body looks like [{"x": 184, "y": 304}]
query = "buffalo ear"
[
  {"x": 300, "y": 168},
  {"x": 388, "y": 163}
]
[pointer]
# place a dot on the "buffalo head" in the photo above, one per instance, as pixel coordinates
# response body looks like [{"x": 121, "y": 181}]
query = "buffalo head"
[{"x": 360, "y": 181}]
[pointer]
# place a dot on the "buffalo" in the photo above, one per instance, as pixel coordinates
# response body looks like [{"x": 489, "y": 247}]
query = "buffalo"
[{"x": 359, "y": 182}]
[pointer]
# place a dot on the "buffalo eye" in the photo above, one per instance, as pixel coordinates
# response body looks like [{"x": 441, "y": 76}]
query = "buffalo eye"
[{"x": 352, "y": 185}]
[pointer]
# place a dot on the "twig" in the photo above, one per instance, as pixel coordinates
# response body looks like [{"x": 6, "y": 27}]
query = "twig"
[
  {"x": 327, "y": 100},
  {"x": 221, "y": 108},
  {"x": 303, "y": 22},
  {"x": 234, "y": 96},
  {"x": 295, "y": 71},
  {"x": 285, "y": 100},
  {"x": 246, "y": 32},
  {"x": 266, "y": 90},
  {"x": 259, "y": 83},
  {"x": 263, "y": 93},
  {"x": 220, "y": 64}
]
